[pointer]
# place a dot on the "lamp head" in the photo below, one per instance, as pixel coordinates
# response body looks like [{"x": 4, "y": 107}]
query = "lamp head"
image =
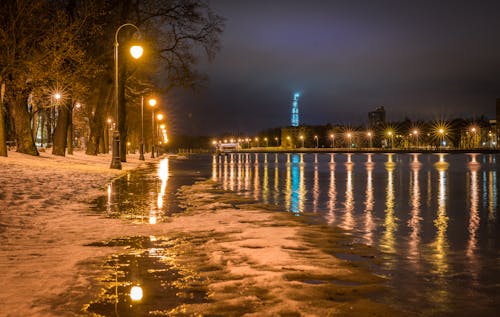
[{"x": 136, "y": 51}]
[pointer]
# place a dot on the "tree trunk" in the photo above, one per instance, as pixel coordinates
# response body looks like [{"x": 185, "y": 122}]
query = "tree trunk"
[
  {"x": 24, "y": 137},
  {"x": 3, "y": 137},
  {"x": 61, "y": 131},
  {"x": 93, "y": 142},
  {"x": 69, "y": 141},
  {"x": 102, "y": 101},
  {"x": 102, "y": 145}
]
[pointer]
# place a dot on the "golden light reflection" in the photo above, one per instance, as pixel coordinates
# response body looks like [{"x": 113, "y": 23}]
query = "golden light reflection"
[
  {"x": 315, "y": 189},
  {"x": 136, "y": 293},
  {"x": 109, "y": 202},
  {"x": 348, "y": 222},
  {"x": 152, "y": 219},
  {"x": 332, "y": 194},
  {"x": 369, "y": 224},
  {"x": 214, "y": 167},
  {"x": 441, "y": 221},
  {"x": 276, "y": 183},
  {"x": 246, "y": 183},
  {"x": 240, "y": 171},
  {"x": 388, "y": 240},
  {"x": 369, "y": 161},
  {"x": 226, "y": 174},
  {"x": 163, "y": 175},
  {"x": 492, "y": 196},
  {"x": 390, "y": 164},
  {"x": 474, "y": 219},
  {"x": 265, "y": 181},
  {"x": 256, "y": 179},
  {"x": 231, "y": 172},
  {"x": 414, "y": 221}
]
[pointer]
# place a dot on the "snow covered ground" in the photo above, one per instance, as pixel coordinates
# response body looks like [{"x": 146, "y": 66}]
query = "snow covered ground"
[{"x": 271, "y": 264}]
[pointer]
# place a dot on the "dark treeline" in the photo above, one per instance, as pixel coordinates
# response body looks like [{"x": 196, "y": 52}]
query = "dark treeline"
[{"x": 57, "y": 67}]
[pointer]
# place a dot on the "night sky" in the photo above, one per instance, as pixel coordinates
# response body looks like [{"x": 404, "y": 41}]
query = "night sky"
[{"x": 430, "y": 60}]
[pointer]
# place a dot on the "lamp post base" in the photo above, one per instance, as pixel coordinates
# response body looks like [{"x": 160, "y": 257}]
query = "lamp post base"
[
  {"x": 116, "y": 162},
  {"x": 141, "y": 152}
]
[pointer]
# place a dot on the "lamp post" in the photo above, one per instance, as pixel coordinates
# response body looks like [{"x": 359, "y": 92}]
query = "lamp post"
[
  {"x": 333, "y": 138},
  {"x": 136, "y": 52},
  {"x": 316, "y": 138},
  {"x": 141, "y": 146},
  {"x": 159, "y": 117},
  {"x": 392, "y": 138},
  {"x": 152, "y": 103},
  {"x": 349, "y": 136},
  {"x": 415, "y": 133},
  {"x": 473, "y": 130},
  {"x": 302, "y": 139},
  {"x": 265, "y": 140},
  {"x": 370, "y": 135},
  {"x": 441, "y": 132}
]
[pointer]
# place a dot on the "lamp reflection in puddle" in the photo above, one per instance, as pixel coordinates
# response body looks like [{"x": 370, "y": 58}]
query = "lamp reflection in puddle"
[{"x": 136, "y": 293}]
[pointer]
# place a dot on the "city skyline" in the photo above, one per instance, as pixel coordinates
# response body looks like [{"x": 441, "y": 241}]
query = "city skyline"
[{"x": 420, "y": 60}]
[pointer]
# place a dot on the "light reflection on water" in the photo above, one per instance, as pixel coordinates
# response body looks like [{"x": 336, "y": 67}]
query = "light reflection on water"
[{"x": 434, "y": 216}]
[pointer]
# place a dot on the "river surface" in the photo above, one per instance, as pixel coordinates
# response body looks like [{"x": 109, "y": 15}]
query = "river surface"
[{"x": 433, "y": 217}]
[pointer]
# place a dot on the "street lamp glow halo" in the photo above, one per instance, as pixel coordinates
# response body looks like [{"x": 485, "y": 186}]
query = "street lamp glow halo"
[
  {"x": 152, "y": 102},
  {"x": 136, "y": 51}
]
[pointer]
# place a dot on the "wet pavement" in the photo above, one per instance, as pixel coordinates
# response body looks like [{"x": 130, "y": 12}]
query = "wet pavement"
[{"x": 147, "y": 265}]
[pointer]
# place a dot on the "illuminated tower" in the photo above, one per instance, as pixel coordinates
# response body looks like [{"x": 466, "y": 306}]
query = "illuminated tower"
[{"x": 295, "y": 110}]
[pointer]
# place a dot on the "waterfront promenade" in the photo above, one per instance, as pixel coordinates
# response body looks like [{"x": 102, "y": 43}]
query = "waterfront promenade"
[{"x": 366, "y": 150}]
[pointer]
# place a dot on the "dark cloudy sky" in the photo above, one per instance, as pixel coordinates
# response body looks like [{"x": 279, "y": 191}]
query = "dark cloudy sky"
[{"x": 422, "y": 59}]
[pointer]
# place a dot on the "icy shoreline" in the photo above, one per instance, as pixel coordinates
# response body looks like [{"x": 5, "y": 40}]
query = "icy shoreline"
[{"x": 266, "y": 263}]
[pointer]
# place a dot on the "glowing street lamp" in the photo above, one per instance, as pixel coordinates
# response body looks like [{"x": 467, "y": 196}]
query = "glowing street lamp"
[
  {"x": 152, "y": 103},
  {"x": 370, "y": 136},
  {"x": 267, "y": 143},
  {"x": 332, "y": 136},
  {"x": 349, "y": 136},
  {"x": 136, "y": 53},
  {"x": 441, "y": 133},
  {"x": 316, "y": 138},
  {"x": 276, "y": 140},
  {"x": 391, "y": 135},
  {"x": 302, "y": 138},
  {"x": 415, "y": 133}
]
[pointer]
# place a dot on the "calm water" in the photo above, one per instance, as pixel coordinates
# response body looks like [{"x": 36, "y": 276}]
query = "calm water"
[{"x": 433, "y": 216}]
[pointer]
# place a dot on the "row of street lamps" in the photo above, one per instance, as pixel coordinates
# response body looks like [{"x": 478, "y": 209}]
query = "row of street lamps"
[
  {"x": 440, "y": 132},
  {"x": 136, "y": 52}
]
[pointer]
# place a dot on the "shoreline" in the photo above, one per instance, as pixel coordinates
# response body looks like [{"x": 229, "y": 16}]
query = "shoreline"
[
  {"x": 261, "y": 263},
  {"x": 365, "y": 150}
]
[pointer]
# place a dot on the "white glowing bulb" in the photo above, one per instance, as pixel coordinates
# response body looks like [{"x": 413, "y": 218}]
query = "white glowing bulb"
[
  {"x": 136, "y": 51},
  {"x": 136, "y": 293}
]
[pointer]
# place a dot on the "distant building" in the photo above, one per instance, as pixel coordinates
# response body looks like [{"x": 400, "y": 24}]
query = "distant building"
[
  {"x": 295, "y": 110},
  {"x": 376, "y": 118}
]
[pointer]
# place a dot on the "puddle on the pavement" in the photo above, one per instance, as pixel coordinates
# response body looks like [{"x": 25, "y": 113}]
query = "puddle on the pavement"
[
  {"x": 148, "y": 194},
  {"x": 148, "y": 267}
]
